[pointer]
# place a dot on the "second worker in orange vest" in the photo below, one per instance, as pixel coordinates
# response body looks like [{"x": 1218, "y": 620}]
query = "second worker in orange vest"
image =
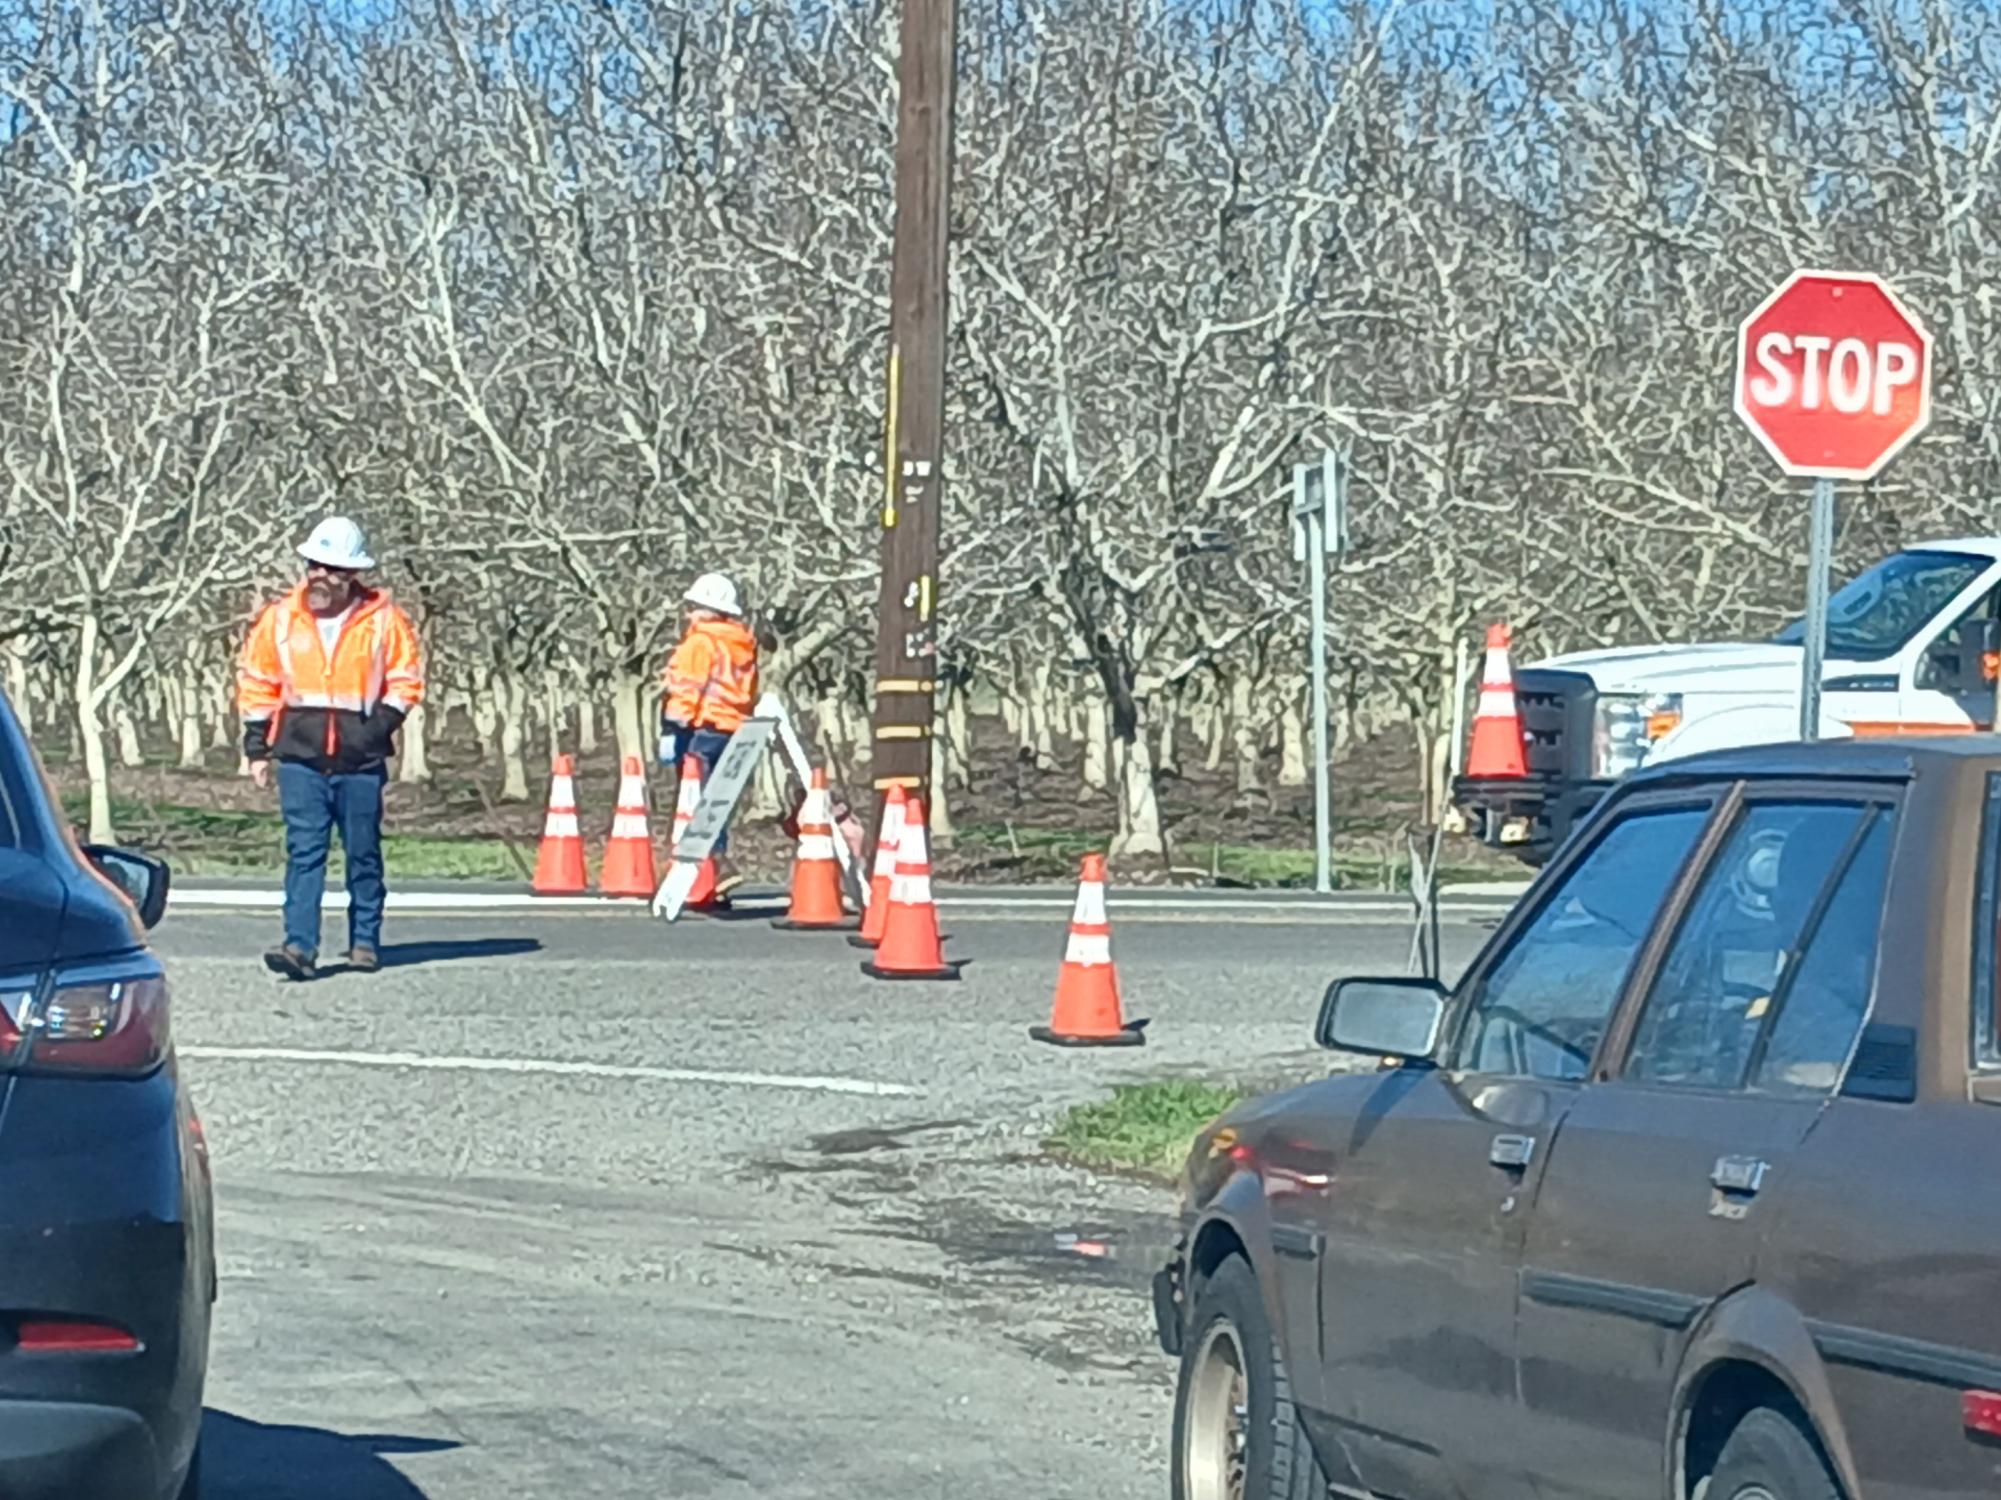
[{"x": 711, "y": 681}]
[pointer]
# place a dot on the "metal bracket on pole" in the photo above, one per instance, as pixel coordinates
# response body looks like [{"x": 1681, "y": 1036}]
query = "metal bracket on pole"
[{"x": 1820, "y": 562}]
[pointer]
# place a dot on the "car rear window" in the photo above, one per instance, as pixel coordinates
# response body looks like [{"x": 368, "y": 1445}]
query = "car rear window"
[
  {"x": 16, "y": 777},
  {"x": 1987, "y": 935}
]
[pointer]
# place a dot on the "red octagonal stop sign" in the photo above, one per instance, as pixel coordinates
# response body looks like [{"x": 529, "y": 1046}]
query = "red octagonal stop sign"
[{"x": 1833, "y": 375}]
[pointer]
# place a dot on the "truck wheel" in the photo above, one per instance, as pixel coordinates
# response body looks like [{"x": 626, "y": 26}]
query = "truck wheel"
[
  {"x": 1236, "y": 1433},
  {"x": 1770, "y": 1457}
]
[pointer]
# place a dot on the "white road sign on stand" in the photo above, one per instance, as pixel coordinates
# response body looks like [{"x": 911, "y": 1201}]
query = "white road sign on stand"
[{"x": 720, "y": 794}]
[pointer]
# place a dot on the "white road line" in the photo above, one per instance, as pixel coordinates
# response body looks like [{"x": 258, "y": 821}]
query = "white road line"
[
  {"x": 503, "y": 901},
  {"x": 803, "y": 1083}
]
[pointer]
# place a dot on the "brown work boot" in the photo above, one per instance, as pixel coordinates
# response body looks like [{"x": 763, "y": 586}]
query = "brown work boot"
[
  {"x": 291, "y": 962},
  {"x": 363, "y": 959}
]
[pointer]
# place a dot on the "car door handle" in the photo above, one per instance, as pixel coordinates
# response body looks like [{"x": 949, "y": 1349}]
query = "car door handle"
[
  {"x": 1513, "y": 1152},
  {"x": 1739, "y": 1174}
]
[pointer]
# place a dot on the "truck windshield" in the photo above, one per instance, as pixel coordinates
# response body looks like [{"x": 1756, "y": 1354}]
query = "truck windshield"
[{"x": 1876, "y": 615}]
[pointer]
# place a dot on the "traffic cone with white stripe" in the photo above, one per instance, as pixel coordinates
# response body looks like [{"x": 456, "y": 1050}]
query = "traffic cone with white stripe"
[
  {"x": 877, "y": 913},
  {"x": 1087, "y": 1012},
  {"x": 702, "y": 895},
  {"x": 911, "y": 947},
  {"x": 816, "y": 873},
  {"x": 1497, "y": 752},
  {"x": 559, "y": 863},
  {"x": 628, "y": 857}
]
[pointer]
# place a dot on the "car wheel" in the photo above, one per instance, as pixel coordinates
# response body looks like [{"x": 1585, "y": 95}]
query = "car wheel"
[
  {"x": 1771, "y": 1457},
  {"x": 1236, "y": 1432}
]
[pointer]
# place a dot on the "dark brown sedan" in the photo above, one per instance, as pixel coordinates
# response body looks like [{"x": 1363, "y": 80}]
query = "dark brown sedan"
[{"x": 1689, "y": 1189}]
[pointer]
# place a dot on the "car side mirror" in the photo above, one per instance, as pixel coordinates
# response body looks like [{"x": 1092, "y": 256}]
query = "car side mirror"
[
  {"x": 1382, "y": 1017},
  {"x": 142, "y": 880}
]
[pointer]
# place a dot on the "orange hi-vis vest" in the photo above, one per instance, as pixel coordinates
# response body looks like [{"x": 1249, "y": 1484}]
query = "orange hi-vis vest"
[
  {"x": 324, "y": 707},
  {"x": 712, "y": 676}
]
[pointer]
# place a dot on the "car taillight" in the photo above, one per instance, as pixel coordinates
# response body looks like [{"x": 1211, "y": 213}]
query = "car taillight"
[
  {"x": 71, "y": 1336},
  {"x": 111, "y": 1020}
]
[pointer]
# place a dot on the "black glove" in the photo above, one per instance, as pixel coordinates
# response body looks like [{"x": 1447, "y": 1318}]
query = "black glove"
[
  {"x": 256, "y": 739},
  {"x": 380, "y": 727}
]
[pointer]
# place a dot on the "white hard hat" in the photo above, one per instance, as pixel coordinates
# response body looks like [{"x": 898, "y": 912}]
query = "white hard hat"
[
  {"x": 714, "y": 591},
  {"x": 338, "y": 543}
]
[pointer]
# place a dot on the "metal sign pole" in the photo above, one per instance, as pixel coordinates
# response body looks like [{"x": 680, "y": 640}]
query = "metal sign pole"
[
  {"x": 1316, "y": 569},
  {"x": 1820, "y": 562}
]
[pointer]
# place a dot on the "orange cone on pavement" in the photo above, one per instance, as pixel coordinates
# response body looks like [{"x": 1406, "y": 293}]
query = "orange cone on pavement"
[
  {"x": 559, "y": 863},
  {"x": 911, "y": 948},
  {"x": 1087, "y": 1010},
  {"x": 816, "y": 873},
  {"x": 628, "y": 857},
  {"x": 702, "y": 895},
  {"x": 877, "y": 914},
  {"x": 1497, "y": 750}
]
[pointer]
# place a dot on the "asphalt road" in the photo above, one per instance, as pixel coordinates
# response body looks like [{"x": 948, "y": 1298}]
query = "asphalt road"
[{"x": 579, "y": 1204}]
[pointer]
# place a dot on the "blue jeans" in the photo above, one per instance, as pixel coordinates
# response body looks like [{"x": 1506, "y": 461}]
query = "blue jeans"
[
  {"x": 707, "y": 746},
  {"x": 314, "y": 804}
]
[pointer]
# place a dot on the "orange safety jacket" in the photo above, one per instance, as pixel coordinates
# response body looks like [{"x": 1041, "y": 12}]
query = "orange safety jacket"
[
  {"x": 337, "y": 713},
  {"x": 712, "y": 677}
]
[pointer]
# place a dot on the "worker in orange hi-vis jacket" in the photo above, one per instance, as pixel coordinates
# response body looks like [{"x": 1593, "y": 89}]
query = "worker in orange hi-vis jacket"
[
  {"x": 711, "y": 684},
  {"x": 328, "y": 675}
]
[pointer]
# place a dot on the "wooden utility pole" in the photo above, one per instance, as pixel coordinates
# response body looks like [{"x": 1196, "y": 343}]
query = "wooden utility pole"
[{"x": 906, "y": 657}]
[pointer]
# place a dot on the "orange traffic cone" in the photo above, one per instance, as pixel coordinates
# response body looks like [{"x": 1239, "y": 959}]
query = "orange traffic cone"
[
  {"x": 628, "y": 857},
  {"x": 816, "y": 874},
  {"x": 911, "y": 948},
  {"x": 559, "y": 863},
  {"x": 702, "y": 895},
  {"x": 1087, "y": 988},
  {"x": 1497, "y": 753},
  {"x": 886, "y": 841}
]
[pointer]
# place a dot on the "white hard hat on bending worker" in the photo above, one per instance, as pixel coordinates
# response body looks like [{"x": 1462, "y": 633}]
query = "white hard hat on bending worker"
[{"x": 716, "y": 593}]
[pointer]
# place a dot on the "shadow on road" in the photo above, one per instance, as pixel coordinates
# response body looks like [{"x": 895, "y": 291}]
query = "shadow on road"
[
  {"x": 245, "y": 1460},
  {"x": 403, "y": 955}
]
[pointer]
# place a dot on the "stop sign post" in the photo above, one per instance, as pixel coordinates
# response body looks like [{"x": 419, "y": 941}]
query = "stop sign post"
[{"x": 1834, "y": 379}]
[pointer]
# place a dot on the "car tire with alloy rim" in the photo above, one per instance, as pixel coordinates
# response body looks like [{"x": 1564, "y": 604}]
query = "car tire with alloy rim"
[
  {"x": 1770, "y": 1456},
  {"x": 1236, "y": 1433}
]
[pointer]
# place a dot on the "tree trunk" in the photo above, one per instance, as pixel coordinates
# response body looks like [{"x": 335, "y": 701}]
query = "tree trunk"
[
  {"x": 1215, "y": 724},
  {"x": 1244, "y": 735},
  {"x": 227, "y": 733},
  {"x": 1042, "y": 717},
  {"x": 628, "y": 711},
  {"x": 1294, "y": 743},
  {"x": 1138, "y": 834},
  {"x": 486, "y": 724},
  {"x": 943, "y": 833},
  {"x": 14, "y": 654},
  {"x": 1097, "y": 746},
  {"x": 1167, "y": 752},
  {"x": 90, "y": 733},
  {"x": 188, "y": 718},
  {"x": 555, "y": 712},
  {"x": 511, "y": 691},
  {"x": 959, "y": 733},
  {"x": 413, "y": 765},
  {"x": 130, "y": 755},
  {"x": 587, "y": 726}
]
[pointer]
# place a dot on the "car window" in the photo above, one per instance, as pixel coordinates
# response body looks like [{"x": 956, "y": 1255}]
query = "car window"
[
  {"x": 1768, "y": 978},
  {"x": 1541, "y": 1010},
  {"x": 1941, "y": 666},
  {"x": 1987, "y": 936},
  {"x": 1876, "y": 615},
  {"x": 15, "y": 776}
]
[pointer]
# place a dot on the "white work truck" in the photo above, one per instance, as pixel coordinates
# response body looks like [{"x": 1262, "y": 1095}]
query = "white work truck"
[{"x": 1911, "y": 649}]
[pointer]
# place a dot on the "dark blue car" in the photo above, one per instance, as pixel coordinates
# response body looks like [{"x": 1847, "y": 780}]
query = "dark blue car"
[{"x": 107, "y": 1259}]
